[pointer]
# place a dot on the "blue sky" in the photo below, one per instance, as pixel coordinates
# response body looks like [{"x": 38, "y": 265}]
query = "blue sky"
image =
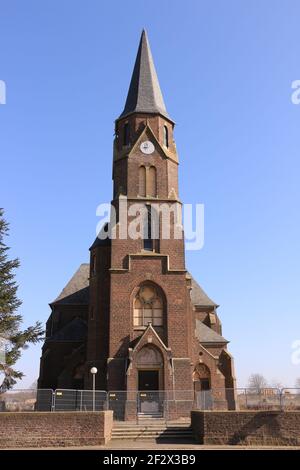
[{"x": 225, "y": 69}]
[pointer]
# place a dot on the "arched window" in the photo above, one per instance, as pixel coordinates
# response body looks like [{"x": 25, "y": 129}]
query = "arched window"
[
  {"x": 201, "y": 377},
  {"x": 126, "y": 134},
  {"x": 151, "y": 182},
  {"x": 166, "y": 136},
  {"x": 148, "y": 307},
  {"x": 142, "y": 181}
]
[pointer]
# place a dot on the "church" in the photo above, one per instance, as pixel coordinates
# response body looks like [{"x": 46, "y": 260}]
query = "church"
[{"x": 134, "y": 311}]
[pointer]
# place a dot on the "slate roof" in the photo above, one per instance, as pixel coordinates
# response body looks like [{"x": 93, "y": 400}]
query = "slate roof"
[
  {"x": 77, "y": 289},
  {"x": 76, "y": 330},
  {"x": 199, "y": 297},
  {"x": 144, "y": 94},
  {"x": 206, "y": 335}
]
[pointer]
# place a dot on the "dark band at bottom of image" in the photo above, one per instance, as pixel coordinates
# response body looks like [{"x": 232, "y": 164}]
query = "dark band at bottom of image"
[{"x": 136, "y": 458}]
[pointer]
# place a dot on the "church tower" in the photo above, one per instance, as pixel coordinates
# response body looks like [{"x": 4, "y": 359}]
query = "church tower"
[
  {"x": 134, "y": 311},
  {"x": 149, "y": 336}
]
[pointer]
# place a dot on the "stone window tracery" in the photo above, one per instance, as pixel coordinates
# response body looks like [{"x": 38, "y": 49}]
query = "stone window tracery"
[{"x": 148, "y": 307}]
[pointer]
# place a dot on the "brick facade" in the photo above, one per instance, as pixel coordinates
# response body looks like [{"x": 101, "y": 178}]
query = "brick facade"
[{"x": 189, "y": 335}]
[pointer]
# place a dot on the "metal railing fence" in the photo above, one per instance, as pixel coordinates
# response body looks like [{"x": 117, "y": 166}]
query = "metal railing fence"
[
  {"x": 79, "y": 400},
  {"x": 166, "y": 403}
]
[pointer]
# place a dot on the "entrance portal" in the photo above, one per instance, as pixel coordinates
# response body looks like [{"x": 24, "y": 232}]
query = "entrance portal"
[
  {"x": 203, "y": 393},
  {"x": 149, "y": 400},
  {"x": 150, "y": 381}
]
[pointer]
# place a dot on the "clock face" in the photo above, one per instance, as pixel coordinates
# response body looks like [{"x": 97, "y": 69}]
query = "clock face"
[{"x": 147, "y": 147}]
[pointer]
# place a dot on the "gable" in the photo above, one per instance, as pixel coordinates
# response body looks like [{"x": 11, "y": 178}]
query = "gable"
[{"x": 148, "y": 134}]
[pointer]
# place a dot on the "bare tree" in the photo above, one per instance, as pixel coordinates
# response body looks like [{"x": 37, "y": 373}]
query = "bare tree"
[
  {"x": 257, "y": 382},
  {"x": 277, "y": 384},
  {"x": 33, "y": 386}
]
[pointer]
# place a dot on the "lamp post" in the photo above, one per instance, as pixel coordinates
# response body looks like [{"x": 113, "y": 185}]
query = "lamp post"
[{"x": 94, "y": 372}]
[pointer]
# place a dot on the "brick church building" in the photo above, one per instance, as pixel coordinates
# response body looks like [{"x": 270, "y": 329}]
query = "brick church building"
[{"x": 135, "y": 312}]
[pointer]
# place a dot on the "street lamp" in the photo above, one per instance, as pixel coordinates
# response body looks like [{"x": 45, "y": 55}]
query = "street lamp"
[{"x": 94, "y": 371}]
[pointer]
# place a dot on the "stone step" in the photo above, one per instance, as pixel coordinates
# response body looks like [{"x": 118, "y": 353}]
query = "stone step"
[
  {"x": 145, "y": 431},
  {"x": 161, "y": 423},
  {"x": 149, "y": 418},
  {"x": 151, "y": 432},
  {"x": 153, "y": 437},
  {"x": 135, "y": 437},
  {"x": 150, "y": 426}
]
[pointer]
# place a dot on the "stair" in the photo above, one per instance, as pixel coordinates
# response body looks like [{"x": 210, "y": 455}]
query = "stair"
[
  {"x": 157, "y": 430},
  {"x": 145, "y": 416}
]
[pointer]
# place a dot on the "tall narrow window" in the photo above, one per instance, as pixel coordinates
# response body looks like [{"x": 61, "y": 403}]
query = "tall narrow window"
[
  {"x": 151, "y": 231},
  {"x": 148, "y": 241},
  {"x": 166, "y": 136},
  {"x": 142, "y": 181},
  {"x": 126, "y": 133},
  {"x": 151, "y": 183},
  {"x": 93, "y": 265}
]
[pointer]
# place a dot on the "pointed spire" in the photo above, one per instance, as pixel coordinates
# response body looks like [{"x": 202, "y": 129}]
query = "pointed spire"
[{"x": 144, "y": 94}]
